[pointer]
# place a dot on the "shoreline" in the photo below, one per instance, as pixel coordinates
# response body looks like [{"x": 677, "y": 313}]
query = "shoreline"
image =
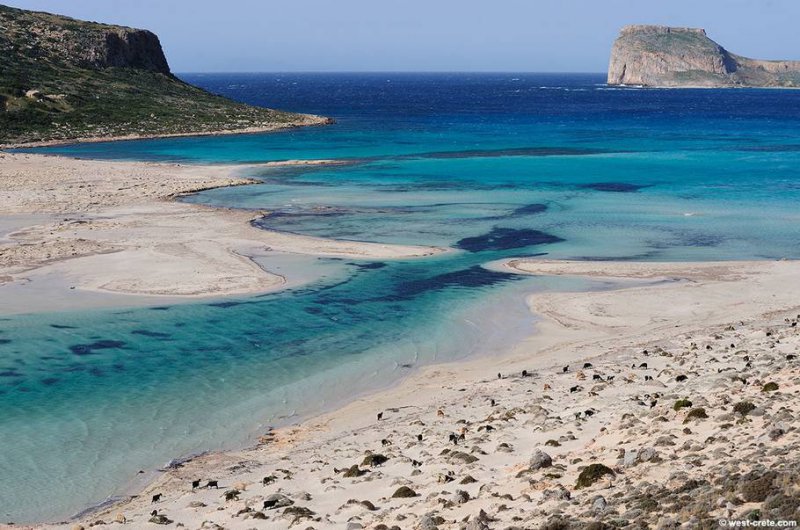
[
  {"x": 309, "y": 120},
  {"x": 609, "y": 328},
  {"x": 117, "y": 227}
]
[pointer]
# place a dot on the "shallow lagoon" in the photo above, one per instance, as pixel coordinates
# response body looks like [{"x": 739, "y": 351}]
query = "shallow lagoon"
[{"x": 492, "y": 165}]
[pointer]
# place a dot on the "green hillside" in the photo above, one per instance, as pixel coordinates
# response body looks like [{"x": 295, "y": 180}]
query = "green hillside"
[{"x": 62, "y": 78}]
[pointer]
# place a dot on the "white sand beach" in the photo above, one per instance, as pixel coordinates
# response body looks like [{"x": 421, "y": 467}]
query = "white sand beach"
[
  {"x": 115, "y": 227},
  {"x": 678, "y": 394}
]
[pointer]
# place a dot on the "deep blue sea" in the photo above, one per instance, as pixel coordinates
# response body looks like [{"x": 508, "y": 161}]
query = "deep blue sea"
[{"x": 492, "y": 165}]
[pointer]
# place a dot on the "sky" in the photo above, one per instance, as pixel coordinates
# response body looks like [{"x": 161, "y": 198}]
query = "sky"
[{"x": 426, "y": 35}]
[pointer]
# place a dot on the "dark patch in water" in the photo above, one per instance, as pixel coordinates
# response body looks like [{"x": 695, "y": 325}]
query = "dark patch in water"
[
  {"x": 702, "y": 240},
  {"x": 62, "y": 326},
  {"x": 315, "y": 213},
  {"x": 515, "y": 151},
  {"x": 10, "y": 373},
  {"x": 225, "y": 305},
  {"x": 614, "y": 187},
  {"x": 5, "y": 341},
  {"x": 635, "y": 257},
  {"x": 49, "y": 381},
  {"x": 89, "y": 349},
  {"x": 779, "y": 148},
  {"x": 530, "y": 209},
  {"x": 370, "y": 266},
  {"x": 97, "y": 372},
  {"x": 688, "y": 239},
  {"x": 154, "y": 334},
  {"x": 506, "y": 238},
  {"x": 473, "y": 277},
  {"x": 160, "y": 308}
]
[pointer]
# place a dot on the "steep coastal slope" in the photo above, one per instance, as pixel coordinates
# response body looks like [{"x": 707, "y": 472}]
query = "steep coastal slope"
[
  {"x": 686, "y": 57},
  {"x": 64, "y": 79}
]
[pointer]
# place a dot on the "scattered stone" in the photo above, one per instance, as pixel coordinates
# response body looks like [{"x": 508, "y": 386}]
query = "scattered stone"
[
  {"x": 277, "y": 500},
  {"x": 298, "y": 512},
  {"x": 427, "y": 523},
  {"x": 354, "y": 471},
  {"x": 599, "y": 503},
  {"x": 160, "y": 519},
  {"x": 460, "y": 497},
  {"x": 476, "y": 524},
  {"x": 462, "y": 457},
  {"x": 540, "y": 460},
  {"x": 559, "y": 493},
  {"x": 775, "y": 433}
]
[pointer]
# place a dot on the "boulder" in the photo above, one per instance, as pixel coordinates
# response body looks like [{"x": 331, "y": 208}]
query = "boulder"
[{"x": 540, "y": 460}]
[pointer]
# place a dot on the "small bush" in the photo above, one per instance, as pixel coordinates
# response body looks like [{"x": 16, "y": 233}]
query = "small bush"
[
  {"x": 744, "y": 408},
  {"x": 591, "y": 474},
  {"x": 770, "y": 387},
  {"x": 756, "y": 488},
  {"x": 696, "y": 414},
  {"x": 404, "y": 492},
  {"x": 681, "y": 403},
  {"x": 374, "y": 460}
]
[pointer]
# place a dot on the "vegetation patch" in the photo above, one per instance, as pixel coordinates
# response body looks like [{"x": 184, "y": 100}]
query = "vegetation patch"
[
  {"x": 64, "y": 79},
  {"x": 696, "y": 414},
  {"x": 591, "y": 474},
  {"x": 681, "y": 403},
  {"x": 744, "y": 408}
]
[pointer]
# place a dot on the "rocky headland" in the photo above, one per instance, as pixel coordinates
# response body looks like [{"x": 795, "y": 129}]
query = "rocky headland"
[
  {"x": 63, "y": 79},
  {"x": 663, "y": 56}
]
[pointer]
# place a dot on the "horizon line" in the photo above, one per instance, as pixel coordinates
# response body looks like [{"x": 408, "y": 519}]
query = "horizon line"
[{"x": 283, "y": 72}]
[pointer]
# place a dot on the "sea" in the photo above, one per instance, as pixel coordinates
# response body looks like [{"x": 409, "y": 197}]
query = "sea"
[{"x": 491, "y": 165}]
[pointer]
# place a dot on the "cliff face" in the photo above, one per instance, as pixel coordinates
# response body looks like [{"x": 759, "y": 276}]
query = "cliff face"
[
  {"x": 68, "y": 42},
  {"x": 125, "y": 48},
  {"x": 62, "y": 78},
  {"x": 683, "y": 57}
]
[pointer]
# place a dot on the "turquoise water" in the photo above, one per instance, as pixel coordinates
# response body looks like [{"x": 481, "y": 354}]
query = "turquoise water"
[{"x": 492, "y": 166}]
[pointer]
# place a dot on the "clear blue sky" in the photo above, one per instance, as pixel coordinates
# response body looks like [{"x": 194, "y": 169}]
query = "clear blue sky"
[{"x": 426, "y": 35}]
